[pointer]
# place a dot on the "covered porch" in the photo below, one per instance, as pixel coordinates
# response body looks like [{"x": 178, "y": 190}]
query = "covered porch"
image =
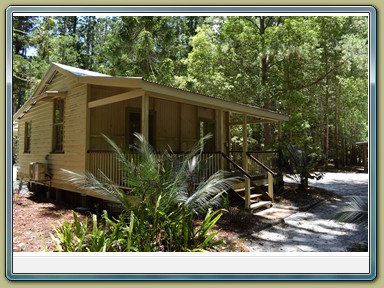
[{"x": 173, "y": 119}]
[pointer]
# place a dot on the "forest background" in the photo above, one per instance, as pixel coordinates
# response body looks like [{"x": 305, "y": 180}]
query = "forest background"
[{"x": 313, "y": 68}]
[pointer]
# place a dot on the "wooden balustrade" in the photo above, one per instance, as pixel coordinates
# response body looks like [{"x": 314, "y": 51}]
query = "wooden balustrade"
[{"x": 105, "y": 162}]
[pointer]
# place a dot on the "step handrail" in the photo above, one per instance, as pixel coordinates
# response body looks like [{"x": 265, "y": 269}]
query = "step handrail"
[
  {"x": 236, "y": 165},
  {"x": 261, "y": 164},
  {"x": 270, "y": 173}
]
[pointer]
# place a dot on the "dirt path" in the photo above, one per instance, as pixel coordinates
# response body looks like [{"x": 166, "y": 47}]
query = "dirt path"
[
  {"x": 33, "y": 219},
  {"x": 243, "y": 231},
  {"x": 316, "y": 230}
]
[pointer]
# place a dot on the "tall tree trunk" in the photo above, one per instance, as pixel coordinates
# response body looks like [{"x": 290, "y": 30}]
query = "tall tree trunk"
[
  {"x": 336, "y": 143},
  {"x": 63, "y": 49},
  {"x": 326, "y": 110},
  {"x": 264, "y": 80}
]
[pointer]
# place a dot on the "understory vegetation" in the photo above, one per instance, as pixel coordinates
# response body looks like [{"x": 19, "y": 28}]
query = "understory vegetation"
[
  {"x": 163, "y": 210},
  {"x": 299, "y": 163}
]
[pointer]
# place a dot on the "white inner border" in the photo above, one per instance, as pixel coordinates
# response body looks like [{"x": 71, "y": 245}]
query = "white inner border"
[
  {"x": 223, "y": 262},
  {"x": 215, "y": 263}
]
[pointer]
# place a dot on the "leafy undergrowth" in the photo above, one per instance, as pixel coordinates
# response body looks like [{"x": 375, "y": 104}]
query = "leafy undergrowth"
[{"x": 34, "y": 217}]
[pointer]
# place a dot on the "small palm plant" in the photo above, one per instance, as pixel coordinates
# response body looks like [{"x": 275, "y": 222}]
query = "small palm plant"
[
  {"x": 163, "y": 198},
  {"x": 356, "y": 211},
  {"x": 299, "y": 164}
]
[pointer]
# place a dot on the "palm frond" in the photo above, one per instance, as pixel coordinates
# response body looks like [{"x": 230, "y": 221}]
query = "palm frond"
[
  {"x": 184, "y": 170},
  {"x": 150, "y": 175},
  {"x": 104, "y": 187},
  {"x": 356, "y": 211},
  {"x": 208, "y": 194}
]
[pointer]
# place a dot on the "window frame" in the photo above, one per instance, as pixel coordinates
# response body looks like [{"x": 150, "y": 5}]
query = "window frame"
[
  {"x": 58, "y": 126},
  {"x": 27, "y": 136}
]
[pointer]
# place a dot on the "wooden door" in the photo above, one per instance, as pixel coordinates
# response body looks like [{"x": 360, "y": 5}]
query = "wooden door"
[
  {"x": 133, "y": 125},
  {"x": 208, "y": 126}
]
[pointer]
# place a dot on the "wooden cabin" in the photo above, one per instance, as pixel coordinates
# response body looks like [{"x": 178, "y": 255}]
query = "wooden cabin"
[{"x": 60, "y": 127}]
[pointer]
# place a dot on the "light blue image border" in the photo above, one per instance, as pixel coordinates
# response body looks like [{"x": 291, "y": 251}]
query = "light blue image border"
[{"x": 199, "y": 9}]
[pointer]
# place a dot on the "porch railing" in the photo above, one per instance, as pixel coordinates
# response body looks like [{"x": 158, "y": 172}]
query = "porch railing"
[
  {"x": 105, "y": 162},
  {"x": 210, "y": 164}
]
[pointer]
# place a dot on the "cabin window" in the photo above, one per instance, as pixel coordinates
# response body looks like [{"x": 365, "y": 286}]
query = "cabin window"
[
  {"x": 27, "y": 137},
  {"x": 207, "y": 126},
  {"x": 58, "y": 125}
]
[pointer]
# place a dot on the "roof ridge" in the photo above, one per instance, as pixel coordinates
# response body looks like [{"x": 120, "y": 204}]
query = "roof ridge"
[{"x": 79, "y": 71}]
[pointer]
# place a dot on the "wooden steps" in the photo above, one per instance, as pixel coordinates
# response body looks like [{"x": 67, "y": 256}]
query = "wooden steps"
[
  {"x": 258, "y": 198},
  {"x": 261, "y": 204},
  {"x": 252, "y": 196},
  {"x": 255, "y": 196}
]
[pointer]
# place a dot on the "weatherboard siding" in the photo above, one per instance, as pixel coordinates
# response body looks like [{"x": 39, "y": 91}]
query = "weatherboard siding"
[
  {"x": 41, "y": 117},
  {"x": 176, "y": 124},
  {"x": 74, "y": 156},
  {"x": 109, "y": 119}
]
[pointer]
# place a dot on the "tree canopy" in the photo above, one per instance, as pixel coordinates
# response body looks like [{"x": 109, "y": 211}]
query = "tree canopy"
[{"x": 314, "y": 68}]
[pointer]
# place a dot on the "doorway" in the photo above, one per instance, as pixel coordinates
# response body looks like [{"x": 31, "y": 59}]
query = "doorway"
[
  {"x": 208, "y": 126},
  {"x": 133, "y": 125}
]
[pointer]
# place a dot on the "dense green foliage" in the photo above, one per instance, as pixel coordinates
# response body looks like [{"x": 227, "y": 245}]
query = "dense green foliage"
[
  {"x": 160, "y": 210},
  {"x": 299, "y": 163},
  {"x": 314, "y": 68},
  {"x": 167, "y": 233}
]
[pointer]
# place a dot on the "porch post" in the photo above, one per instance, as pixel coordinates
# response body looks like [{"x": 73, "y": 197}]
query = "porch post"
[
  {"x": 247, "y": 181},
  {"x": 245, "y": 143},
  {"x": 279, "y": 132},
  {"x": 221, "y": 138},
  {"x": 144, "y": 116},
  {"x": 270, "y": 186},
  {"x": 87, "y": 129}
]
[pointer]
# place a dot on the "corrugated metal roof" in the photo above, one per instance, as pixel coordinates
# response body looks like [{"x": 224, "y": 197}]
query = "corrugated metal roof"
[
  {"x": 80, "y": 72},
  {"x": 214, "y": 97},
  {"x": 86, "y": 73}
]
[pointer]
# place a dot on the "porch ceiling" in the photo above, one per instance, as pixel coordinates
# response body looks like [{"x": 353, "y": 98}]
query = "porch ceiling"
[
  {"x": 116, "y": 98},
  {"x": 178, "y": 95}
]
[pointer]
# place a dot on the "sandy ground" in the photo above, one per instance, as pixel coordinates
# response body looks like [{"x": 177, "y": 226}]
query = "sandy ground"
[
  {"x": 316, "y": 230},
  {"x": 34, "y": 218},
  {"x": 312, "y": 230}
]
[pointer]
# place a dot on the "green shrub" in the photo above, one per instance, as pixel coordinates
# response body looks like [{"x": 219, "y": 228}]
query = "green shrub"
[
  {"x": 171, "y": 233},
  {"x": 162, "y": 208},
  {"x": 299, "y": 163},
  {"x": 70, "y": 237}
]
